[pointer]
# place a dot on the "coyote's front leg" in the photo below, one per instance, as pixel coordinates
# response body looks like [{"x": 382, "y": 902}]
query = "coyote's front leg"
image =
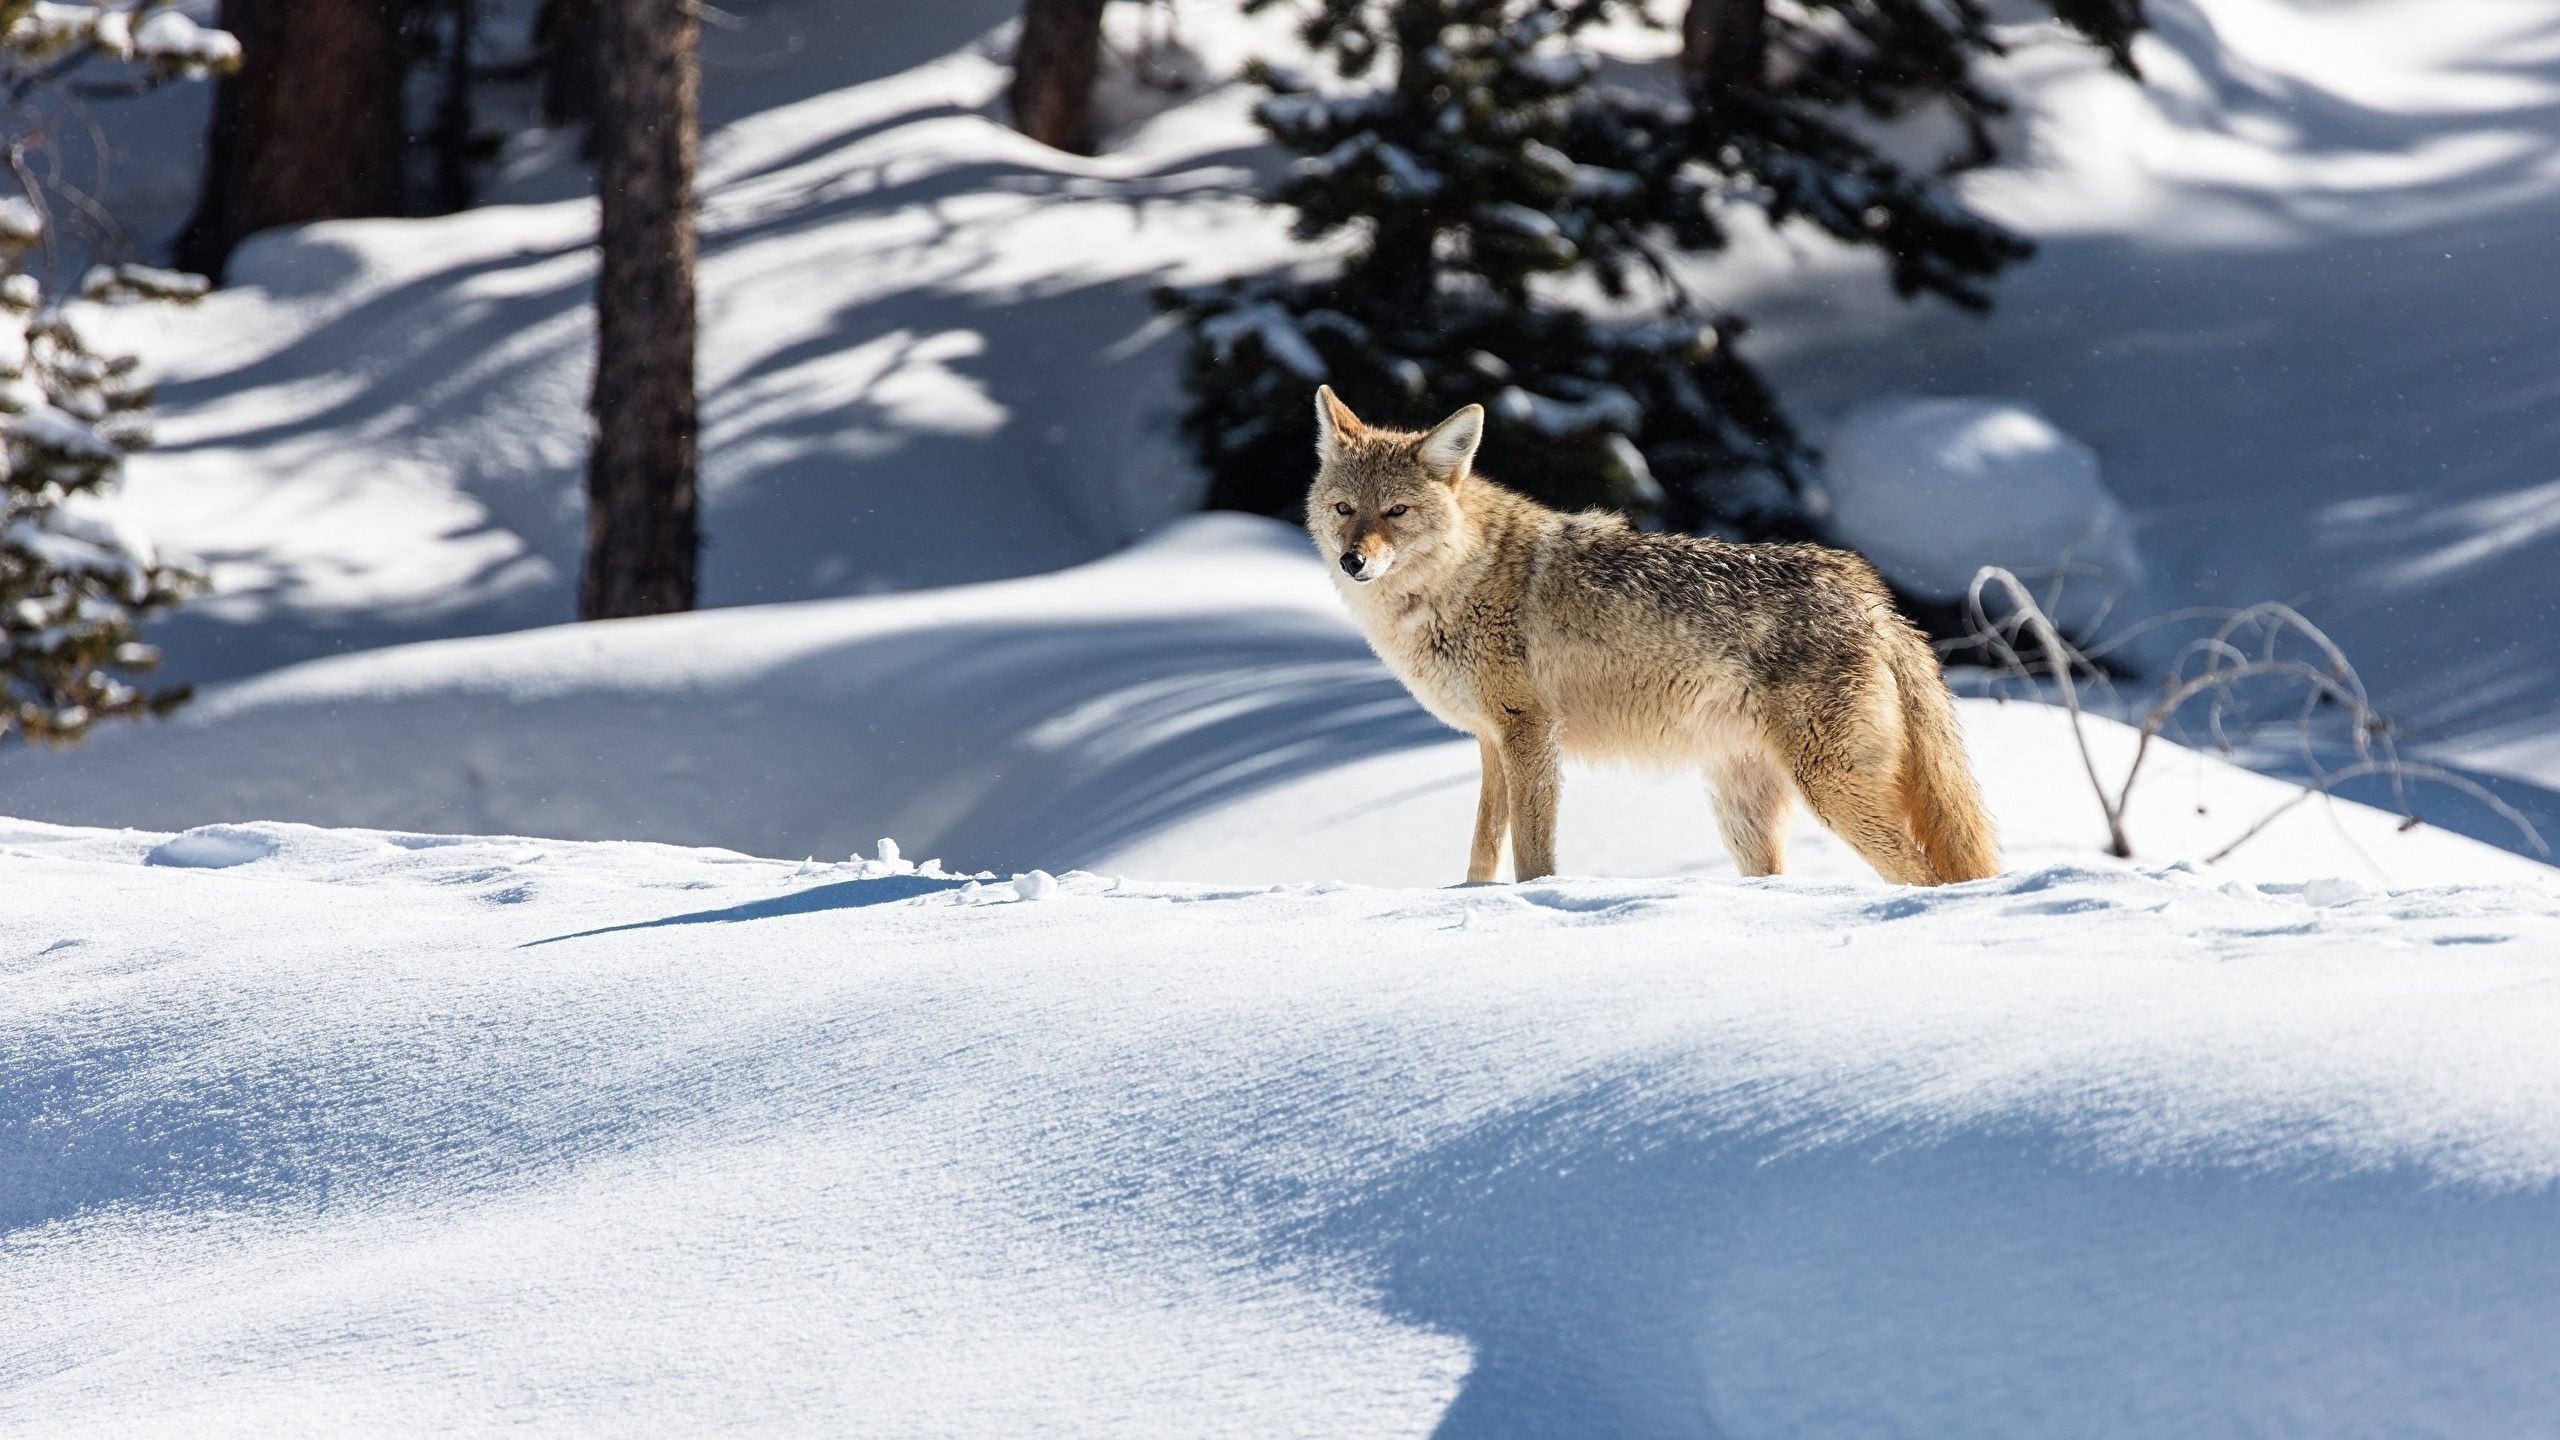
[
  {"x": 1493, "y": 816},
  {"x": 1531, "y": 763}
]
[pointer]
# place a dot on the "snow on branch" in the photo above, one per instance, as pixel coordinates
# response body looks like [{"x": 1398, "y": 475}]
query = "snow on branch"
[
  {"x": 1606, "y": 408},
  {"x": 75, "y": 586},
  {"x": 152, "y": 33},
  {"x": 1275, "y": 328}
]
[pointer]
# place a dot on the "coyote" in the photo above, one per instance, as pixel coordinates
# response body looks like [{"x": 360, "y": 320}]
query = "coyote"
[{"x": 1776, "y": 670}]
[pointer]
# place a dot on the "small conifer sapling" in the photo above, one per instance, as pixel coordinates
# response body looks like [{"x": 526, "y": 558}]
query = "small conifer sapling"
[{"x": 74, "y": 587}]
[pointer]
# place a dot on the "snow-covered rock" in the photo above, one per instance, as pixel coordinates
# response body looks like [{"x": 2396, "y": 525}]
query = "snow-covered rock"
[{"x": 1934, "y": 489}]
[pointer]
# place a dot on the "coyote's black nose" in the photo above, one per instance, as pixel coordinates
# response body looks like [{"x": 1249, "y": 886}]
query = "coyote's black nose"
[{"x": 1351, "y": 563}]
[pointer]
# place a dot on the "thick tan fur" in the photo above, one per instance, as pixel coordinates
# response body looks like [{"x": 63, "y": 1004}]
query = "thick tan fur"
[{"x": 1773, "y": 670}]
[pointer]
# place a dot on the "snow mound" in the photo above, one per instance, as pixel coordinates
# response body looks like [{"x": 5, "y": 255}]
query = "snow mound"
[
  {"x": 1932, "y": 490},
  {"x": 1196, "y": 707},
  {"x": 404, "y": 1134},
  {"x": 212, "y": 847}
]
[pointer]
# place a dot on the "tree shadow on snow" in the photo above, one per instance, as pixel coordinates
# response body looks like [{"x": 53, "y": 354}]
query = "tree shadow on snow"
[
  {"x": 1701, "y": 1276},
  {"x": 1035, "y": 431},
  {"x": 1071, "y": 740}
]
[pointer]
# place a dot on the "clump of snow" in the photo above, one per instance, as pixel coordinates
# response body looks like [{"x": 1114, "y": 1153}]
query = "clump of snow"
[
  {"x": 1035, "y": 885},
  {"x": 1932, "y": 490},
  {"x": 2326, "y": 891},
  {"x": 20, "y": 222},
  {"x": 1606, "y": 407},
  {"x": 171, "y": 38},
  {"x": 212, "y": 847},
  {"x": 1275, "y": 327},
  {"x": 58, "y": 430}
]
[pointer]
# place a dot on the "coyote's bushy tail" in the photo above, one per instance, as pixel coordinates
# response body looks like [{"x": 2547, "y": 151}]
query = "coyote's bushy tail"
[{"x": 1939, "y": 797}]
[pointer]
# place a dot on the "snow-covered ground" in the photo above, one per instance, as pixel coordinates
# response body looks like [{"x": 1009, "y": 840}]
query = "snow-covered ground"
[
  {"x": 2295, "y": 292},
  {"x": 1250, "y": 1126},
  {"x": 401, "y": 1127},
  {"x": 1196, "y": 707},
  {"x": 337, "y": 1132}
]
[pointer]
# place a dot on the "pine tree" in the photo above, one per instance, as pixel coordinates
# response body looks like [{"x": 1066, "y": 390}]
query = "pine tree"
[
  {"x": 1500, "y": 224},
  {"x": 564, "y": 39},
  {"x": 73, "y": 588},
  {"x": 1774, "y": 91}
]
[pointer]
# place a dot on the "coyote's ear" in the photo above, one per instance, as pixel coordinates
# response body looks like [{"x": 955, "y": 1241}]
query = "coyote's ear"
[
  {"x": 1451, "y": 445},
  {"x": 1334, "y": 423}
]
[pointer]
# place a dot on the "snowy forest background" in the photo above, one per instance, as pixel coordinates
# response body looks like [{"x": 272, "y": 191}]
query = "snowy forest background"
[{"x": 2282, "y": 288}]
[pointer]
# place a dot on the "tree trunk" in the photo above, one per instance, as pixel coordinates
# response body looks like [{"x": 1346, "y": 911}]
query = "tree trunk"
[
  {"x": 312, "y": 127},
  {"x": 642, "y": 543},
  {"x": 1724, "y": 48},
  {"x": 453, "y": 113},
  {"x": 1053, "y": 68},
  {"x": 565, "y": 36}
]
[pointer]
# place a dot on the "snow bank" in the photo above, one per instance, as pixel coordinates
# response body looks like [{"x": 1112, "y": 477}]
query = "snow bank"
[
  {"x": 1932, "y": 490},
  {"x": 405, "y": 1134},
  {"x": 1196, "y": 707}
]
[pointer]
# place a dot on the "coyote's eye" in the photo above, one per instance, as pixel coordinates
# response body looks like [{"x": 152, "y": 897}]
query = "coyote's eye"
[
  {"x": 1394, "y": 511},
  {"x": 1341, "y": 509}
]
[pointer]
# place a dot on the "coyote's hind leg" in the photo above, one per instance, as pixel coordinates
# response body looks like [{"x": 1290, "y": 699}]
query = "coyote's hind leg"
[
  {"x": 1863, "y": 807},
  {"x": 1752, "y": 797},
  {"x": 1848, "y": 768}
]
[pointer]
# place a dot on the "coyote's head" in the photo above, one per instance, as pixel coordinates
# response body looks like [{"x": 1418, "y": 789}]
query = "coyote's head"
[{"x": 1383, "y": 496}]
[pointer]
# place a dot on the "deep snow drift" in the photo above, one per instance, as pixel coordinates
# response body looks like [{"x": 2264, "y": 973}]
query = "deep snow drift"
[{"x": 373, "y": 1133}]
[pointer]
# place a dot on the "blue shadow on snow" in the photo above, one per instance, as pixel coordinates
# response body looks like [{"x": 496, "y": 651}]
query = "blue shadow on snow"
[{"x": 842, "y": 895}]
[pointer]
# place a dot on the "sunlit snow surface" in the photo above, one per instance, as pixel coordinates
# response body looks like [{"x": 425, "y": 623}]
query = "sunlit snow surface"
[
  {"x": 353, "y": 1132},
  {"x": 1251, "y": 1127},
  {"x": 347, "y": 1131},
  {"x": 1195, "y": 707}
]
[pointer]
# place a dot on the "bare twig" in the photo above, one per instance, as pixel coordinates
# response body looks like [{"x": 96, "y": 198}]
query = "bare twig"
[
  {"x": 2062, "y": 662},
  {"x": 2399, "y": 771},
  {"x": 2251, "y": 654}
]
